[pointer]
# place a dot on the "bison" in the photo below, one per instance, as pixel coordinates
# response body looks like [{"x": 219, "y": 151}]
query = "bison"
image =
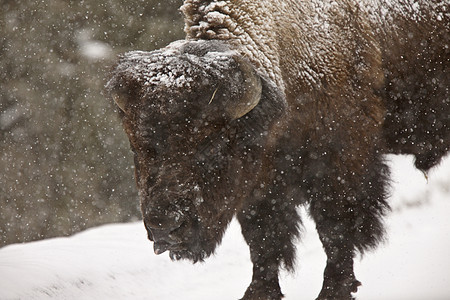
[{"x": 268, "y": 105}]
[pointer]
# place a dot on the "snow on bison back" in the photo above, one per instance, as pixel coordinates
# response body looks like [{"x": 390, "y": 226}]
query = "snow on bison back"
[{"x": 267, "y": 105}]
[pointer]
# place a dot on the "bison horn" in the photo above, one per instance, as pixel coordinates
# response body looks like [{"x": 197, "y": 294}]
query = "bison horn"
[
  {"x": 120, "y": 101},
  {"x": 249, "y": 92},
  {"x": 123, "y": 88}
]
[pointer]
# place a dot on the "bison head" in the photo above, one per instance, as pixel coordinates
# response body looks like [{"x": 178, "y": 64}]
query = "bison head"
[{"x": 198, "y": 117}]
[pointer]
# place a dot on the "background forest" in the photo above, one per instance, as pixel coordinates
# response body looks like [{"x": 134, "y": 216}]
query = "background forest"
[{"x": 64, "y": 158}]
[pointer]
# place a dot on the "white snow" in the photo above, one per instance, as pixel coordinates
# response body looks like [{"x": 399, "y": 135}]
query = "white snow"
[
  {"x": 92, "y": 49},
  {"x": 95, "y": 50},
  {"x": 117, "y": 262}
]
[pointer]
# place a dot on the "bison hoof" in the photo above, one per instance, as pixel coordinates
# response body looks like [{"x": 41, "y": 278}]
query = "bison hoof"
[
  {"x": 339, "y": 291},
  {"x": 263, "y": 290}
]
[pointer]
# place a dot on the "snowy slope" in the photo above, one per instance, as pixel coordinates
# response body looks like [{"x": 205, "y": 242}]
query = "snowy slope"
[{"x": 117, "y": 262}]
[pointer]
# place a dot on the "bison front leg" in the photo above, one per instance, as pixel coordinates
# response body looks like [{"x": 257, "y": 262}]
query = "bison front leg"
[
  {"x": 339, "y": 279},
  {"x": 269, "y": 227},
  {"x": 347, "y": 206}
]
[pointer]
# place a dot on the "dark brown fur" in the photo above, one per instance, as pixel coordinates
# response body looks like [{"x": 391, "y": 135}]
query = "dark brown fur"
[{"x": 321, "y": 146}]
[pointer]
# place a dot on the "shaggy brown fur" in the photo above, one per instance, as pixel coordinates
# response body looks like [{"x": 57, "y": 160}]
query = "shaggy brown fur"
[{"x": 273, "y": 104}]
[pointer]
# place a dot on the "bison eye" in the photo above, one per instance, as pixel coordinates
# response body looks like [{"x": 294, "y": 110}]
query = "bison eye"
[
  {"x": 155, "y": 149},
  {"x": 151, "y": 152}
]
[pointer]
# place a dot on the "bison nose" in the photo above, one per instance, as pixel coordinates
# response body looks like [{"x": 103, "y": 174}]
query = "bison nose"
[
  {"x": 160, "y": 218},
  {"x": 163, "y": 238}
]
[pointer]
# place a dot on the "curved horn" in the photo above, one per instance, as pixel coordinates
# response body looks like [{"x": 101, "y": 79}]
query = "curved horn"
[
  {"x": 123, "y": 89},
  {"x": 120, "y": 101},
  {"x": 250, "y": 91}
]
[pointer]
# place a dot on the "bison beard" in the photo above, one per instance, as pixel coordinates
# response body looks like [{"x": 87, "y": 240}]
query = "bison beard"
[{"x": 214, "y": 137}]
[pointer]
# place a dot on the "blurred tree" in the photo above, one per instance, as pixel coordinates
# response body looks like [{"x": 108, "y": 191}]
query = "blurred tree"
[{"x": 64, "y": 159}]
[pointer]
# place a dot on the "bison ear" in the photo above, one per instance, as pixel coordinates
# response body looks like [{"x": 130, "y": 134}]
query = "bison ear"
[{"x": 248, "y": 90}]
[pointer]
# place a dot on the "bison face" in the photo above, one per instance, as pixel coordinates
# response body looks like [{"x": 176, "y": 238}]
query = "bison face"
[{"x": 197, "y": 117}]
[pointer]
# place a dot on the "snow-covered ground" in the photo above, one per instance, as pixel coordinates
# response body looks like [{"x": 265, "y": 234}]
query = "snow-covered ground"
[{"x": 117, "y": 262}]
